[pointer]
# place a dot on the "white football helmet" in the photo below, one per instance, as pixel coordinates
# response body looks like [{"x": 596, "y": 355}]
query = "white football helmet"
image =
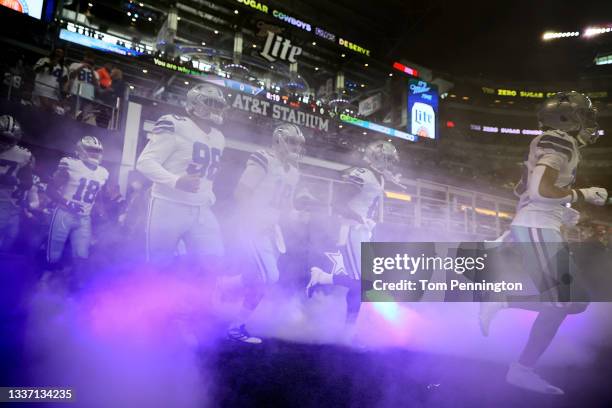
[
  {"x": 10, "y": 132},
  {"x": 571, "y": 112},
  {"x": 206, "y": 102},
  {"x": 288, "y": 142},
  {"x": 89, "y": 149},
  {"x": 381, "y": 155}
]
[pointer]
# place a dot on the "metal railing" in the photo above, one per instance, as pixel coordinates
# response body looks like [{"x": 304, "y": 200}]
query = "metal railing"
[{"x": 429, "y": 205}]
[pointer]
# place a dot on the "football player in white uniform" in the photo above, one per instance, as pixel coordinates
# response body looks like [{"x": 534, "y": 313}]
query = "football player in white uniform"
[
  {"x": 265, "y": 194},
  {"x": 181, "y": 159},
  {"x": 15, "y": 177},
  {"x": 356, "y": 207},
  {"x": 546, "y": 195},
  {"x": 74, "y": 188}
]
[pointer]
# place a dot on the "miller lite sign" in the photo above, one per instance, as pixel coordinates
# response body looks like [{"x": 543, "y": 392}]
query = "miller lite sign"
[
  {"x": 422, "y": 108},
  {"x": 277, "y": 47}
]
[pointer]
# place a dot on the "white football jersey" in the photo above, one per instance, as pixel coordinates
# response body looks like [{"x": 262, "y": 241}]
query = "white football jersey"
[
  {"x": 83, "y": 184},
  {"x": 177, "y": 146},
  {"x": 273, "y": 184},
  {"x": 555, "y": 149},
  {"x": 367, "y": 202},
  {"x": 11, "y": 161}
]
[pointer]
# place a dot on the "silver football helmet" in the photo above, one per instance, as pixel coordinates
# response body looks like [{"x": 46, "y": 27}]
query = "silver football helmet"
[
  {"x": 206, "y": 102},
  {"x": 288, "y": 142},
  {"x": 89, "y": 149},
  {"x": 381, "y": 155},
  {"x": 10, "y": 132},
  {"x": 571, "y": 112}
]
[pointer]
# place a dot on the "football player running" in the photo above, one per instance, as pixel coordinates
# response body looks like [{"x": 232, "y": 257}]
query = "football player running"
[
  {"x": 181, "y": 159},
  {"x": 74, "y": 188},
  {"x": 266, "y": 188},
  {"x": 568, "y": 122},
  {"x": 16, "y": 165},
  {"x": 335, "y": 259}
]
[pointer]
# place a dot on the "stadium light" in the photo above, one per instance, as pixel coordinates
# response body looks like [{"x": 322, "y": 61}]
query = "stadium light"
[
  {"x": 552, "y": 35},
  {"x": 593, "y": 31}
]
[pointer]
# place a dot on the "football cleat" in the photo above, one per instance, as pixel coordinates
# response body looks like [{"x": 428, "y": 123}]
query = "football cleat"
[
  {"x": 524, "y": 377},
  {"x": 240, "y": 334},
  {"x": 488, "y": 310},
  {"x": 318, "y": 277}
]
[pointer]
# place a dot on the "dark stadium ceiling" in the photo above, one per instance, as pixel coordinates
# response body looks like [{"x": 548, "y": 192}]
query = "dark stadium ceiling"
[
  {"x": 491, "y": 39},
  {"x": 497, "y": 40}
]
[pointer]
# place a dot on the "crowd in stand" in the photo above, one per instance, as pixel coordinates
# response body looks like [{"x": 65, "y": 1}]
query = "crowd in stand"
[{"x": 87, "y": 92}]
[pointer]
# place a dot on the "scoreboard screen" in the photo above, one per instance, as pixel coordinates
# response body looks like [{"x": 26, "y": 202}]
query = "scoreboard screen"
[
  {"x": 32, "y": 8},
  {"x": 422, "y": 109}
]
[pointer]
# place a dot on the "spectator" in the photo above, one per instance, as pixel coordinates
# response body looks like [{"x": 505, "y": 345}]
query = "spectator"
[
  {"x": 84, "y": 80},
  {"x": 83, "y": 84},
  {"x": 104, "y": 74},
  {"x": 109, "y": 97},
  {"x": 13, "y": 79},
  {"x": 51, "y": 74},
  {"x": 118, "y": 82}
]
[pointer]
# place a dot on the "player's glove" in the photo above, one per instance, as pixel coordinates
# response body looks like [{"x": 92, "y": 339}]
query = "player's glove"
[
  {"x": 592, "y": 195},
  {"x": 189, "y": 183}
]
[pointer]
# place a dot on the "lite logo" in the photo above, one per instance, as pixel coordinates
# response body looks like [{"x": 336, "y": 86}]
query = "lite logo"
[
  {"x": 423, "y": 120},
  {"x": 277, "y": 47}
]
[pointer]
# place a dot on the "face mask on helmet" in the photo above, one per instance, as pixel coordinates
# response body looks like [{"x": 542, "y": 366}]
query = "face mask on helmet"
[
  {"x": 206, "y": 104},
  {"x": 589, "y": 132},
  {"x": 90, "y": 152},
  {"x": 382, "y": 157},
  {"x": 571, "y": 112},
  {"x": 289, "y": 143}
]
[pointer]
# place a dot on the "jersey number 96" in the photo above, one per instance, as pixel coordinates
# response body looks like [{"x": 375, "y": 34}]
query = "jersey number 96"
[{"x": 205, "y": 161}]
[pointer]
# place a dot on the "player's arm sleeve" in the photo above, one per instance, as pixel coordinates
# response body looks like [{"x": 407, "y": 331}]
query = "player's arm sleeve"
[
  {"x": 161, "y": 144},
  {"x": 554, "y": 153},
  {"x": 254, "y": 173}
]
